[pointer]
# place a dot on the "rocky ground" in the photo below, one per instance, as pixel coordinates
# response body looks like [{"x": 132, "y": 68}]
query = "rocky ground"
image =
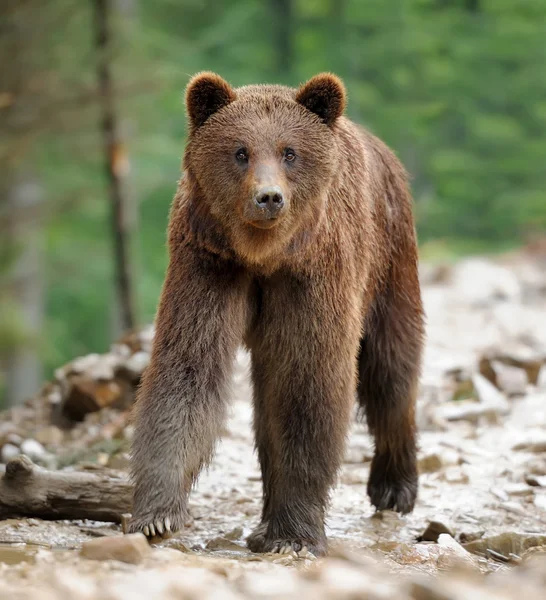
[{"x": 478, "y": 530}]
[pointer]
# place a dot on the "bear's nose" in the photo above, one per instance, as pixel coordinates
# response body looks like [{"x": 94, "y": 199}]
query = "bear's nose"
[{"x": 271, "y": 199}]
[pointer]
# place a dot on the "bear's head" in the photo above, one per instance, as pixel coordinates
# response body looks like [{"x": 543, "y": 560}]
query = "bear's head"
[{"x": 262, "y": 158}]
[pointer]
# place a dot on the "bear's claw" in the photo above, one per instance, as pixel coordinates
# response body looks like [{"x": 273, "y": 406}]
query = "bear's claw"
[
  {"x": 258, "y": 541},
  {"x": 296, "y": 547},
  {"x": 153, "y": 528}
]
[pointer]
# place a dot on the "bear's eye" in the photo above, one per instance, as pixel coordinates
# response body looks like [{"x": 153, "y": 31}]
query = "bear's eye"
[
  {"x": 242, "y": 155},
  {"x": 289, "y": 155}
]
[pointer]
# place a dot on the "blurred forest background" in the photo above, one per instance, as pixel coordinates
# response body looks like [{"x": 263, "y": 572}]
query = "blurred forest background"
[{"x": 92, "y": 130}]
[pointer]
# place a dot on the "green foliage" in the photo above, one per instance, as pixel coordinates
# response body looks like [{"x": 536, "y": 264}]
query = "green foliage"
[{"x": 456, "y": 87}]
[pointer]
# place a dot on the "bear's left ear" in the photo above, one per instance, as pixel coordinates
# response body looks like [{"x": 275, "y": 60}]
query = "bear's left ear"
[
  {"x": 323, "y": 95},
  {"x": 206, "y": 94}
]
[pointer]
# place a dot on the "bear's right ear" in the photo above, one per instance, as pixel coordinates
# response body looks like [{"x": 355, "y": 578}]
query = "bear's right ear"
[
  {"x": 323, "y": 95},
  {"x": 206, "y": 93}
]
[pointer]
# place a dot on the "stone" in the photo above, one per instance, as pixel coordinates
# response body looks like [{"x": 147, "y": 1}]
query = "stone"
[
  {"x": 540, "y": 501},
  {"x": 514, "y": 507},
  {"x": 436, "y": 458},
  {"x": 522, "y": 358},
  {"x": 340, "y": 579},
  {"x": 535, "y": 442},
  {"x": 430, "y": 462},
  {"x": 488, "y": 394},
  {"x": 353, "y": 477},
  {"x": 433, "y": 531},
  {"x": 15, "y": 439},
  {"x": 470, "y": 536},
  {"x": 119, "y": 461},
  {"x": 50, "y": 436},
  {"x": 223, "y": 543},
  {"x": 479, "y": 282},
  {"x": 518, "y": 489},
  {"x": 511, "y": 380},
  {"x": 281, "y": 583},
  {"x": 506, "y": 543},
  {"x": 463, "y": 389},
  {"x": 491, "y": 403},
  {"x": 78, "y": 365},
  {"x": 536, "y": 480},
  {"x": 136, "y": 364},
  {"x": 176, "y": 544},
  {"x": 131, "y": 548},
  {"x": 86, "y": 395},
  {"x": 491, "y": 409},
  {"x": 9, "y": 431},
  {"x": 33, "y": 449},
  {"x": 541, "y": 378},
  {"x": 9, "y": 451},
  {"x": 235, "y": 534},
  {"x": 456, "y": 555},
  {"x": 456, "y": 475}
]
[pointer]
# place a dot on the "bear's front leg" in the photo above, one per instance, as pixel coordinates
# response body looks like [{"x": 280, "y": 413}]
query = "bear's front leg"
[
  {"x": 181, "y": 402},
  {"x": 304, "y": 352}
]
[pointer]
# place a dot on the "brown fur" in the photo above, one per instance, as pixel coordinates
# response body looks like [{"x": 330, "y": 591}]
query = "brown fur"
[{"x": 326, "y": 298}]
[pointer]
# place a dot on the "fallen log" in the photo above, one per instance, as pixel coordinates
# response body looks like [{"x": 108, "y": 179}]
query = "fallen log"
[{"x": 27, "y": 490}]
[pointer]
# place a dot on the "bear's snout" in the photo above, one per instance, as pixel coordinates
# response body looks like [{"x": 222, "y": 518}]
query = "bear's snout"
[
  {"x": 270, "y": 200},
  {"x": 266, "y": 206}
]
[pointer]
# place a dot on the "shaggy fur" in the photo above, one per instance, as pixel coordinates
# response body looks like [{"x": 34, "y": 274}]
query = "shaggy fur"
[{"x": 326, "y": 298}]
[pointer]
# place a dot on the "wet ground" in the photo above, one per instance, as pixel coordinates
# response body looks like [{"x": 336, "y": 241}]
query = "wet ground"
[{"x": 482, "y": 418}]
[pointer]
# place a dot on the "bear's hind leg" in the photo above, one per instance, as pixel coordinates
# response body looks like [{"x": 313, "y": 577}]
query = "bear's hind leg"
[{"x": 389, "y": 366}]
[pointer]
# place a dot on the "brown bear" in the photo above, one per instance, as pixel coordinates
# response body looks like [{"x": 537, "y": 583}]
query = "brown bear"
[{"x": 291, "y": 232}]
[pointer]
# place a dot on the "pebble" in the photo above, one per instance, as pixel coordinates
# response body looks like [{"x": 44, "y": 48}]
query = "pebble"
[
  {"x": 278, "y": 584},
  {"x": 50, "y": 436},
  {"x": 437, "y": 458},
  {"x": 137, "y": 363},
  {"x": 536, "y": 480},
  {"x": 518, "y": 489},
  {"x": 456, "y": 475},
  {"x": 433, "y": 531},
  {"x": 119, "y": 461},
  {"x": 9, "y": 451},
  {"x": 132, "y": 548},
  {"x": 445, "y": 540},
  {"x": 15, "y": 439},
  {"x": 541, "y": 378},
  {"x": 340, "y": 579},
  {"x": 540, "y": 501},
  {"x": 222, "y": 543},
  {"x": 506, "y": 543},
  {"x": 33, "y": 449},
  {"x": 512, "y": 380},
  {"x": 535, "y": 443}
]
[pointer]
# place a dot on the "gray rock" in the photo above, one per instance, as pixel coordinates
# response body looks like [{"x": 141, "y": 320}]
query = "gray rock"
[
  {"x": 9, "y": 451},
  {"x": 137, "y": 363},
  {"x": 33, "y": 449}
]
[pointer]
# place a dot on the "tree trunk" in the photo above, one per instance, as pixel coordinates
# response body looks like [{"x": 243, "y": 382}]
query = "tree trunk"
[
  {"x": 283, "y": 19},
  {"x": 21, "y": 225},
  {"x": 25, "y": 286},
  {"x": 116, "y": 165}
]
